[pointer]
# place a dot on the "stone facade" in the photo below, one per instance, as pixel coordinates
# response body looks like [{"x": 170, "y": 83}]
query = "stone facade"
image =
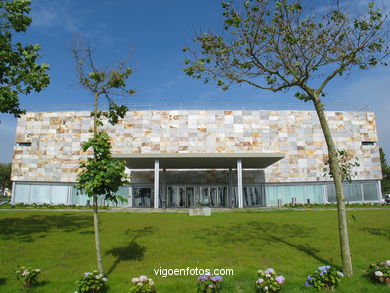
[{"x": 56, "y": 139}]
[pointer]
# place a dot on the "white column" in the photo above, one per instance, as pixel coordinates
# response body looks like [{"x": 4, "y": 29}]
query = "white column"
[
  {"x": 156, "y": 182},
  {"x": 13, "y": 192},
  {"x": 230, "y": 189},
  {"x": 325, "y": 195},
  {"x": 239, "y": 184},
  {"x": 131, "y": 196},
  {"x": 164, "y": 188}
]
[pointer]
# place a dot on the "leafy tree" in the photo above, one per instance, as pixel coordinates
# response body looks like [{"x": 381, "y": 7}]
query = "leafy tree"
[
  {"x": 347, "y": 165},
  {"x": 19, "y": 72},
  {"x": 5, "y": 176},
  {"x": 101, "y": 175},
  {"x": 385, "y": 172},
  {"x": 276, "y": 45}
]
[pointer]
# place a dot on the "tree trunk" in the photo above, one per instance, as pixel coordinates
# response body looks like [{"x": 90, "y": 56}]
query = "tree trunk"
[
  {"x": 97, "y": 236},
  {"x": 95, "y": 200},
  {"x": 337, "y": 179}
]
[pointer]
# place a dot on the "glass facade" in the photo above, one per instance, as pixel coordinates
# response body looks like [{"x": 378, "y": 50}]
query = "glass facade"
[
  {"x": 182, "y": 196},
  {"x": 40, "y": 193}
]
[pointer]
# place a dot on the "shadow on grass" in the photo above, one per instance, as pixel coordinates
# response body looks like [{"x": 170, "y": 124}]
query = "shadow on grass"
[
  {"x": 385, "y": 232},
  {"x": 29, "y": 228},
  {"x": 41, "y": 284},
  {"x": 3, "y": 281},
  {"x": 264, "y": 233},
  {"x": 131, "y": 250}
]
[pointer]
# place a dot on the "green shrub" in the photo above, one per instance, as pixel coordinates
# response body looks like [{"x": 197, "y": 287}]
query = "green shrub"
[
  {"x": 325, "y": 277},
  {"x": 28, "y": 276},
  {"x": 142, "y": 284},
  {"x": 208, "y": 283},
  {"x": 91, "y": 282},
  {"x": 379, "y": 272},
  {"x": 268, "y": 281}
]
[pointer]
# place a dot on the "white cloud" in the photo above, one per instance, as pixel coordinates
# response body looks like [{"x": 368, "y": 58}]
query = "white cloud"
[{"x": 55, "y": 14}]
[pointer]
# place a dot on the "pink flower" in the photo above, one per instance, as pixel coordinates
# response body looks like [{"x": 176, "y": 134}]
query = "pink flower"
[
  {"x": 143, "y": 278},
  {"x": 279, "y": 279}
]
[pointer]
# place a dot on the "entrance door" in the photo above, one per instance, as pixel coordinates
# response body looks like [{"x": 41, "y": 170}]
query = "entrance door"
[
  {"x": 215, "y": 195},
  {"x": 181, "y": 196}
]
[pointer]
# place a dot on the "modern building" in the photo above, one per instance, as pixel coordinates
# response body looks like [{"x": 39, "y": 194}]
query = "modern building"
[{"x": 228, "y": 158}]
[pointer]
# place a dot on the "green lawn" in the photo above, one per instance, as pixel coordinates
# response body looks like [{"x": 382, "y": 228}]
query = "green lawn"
[{"x": 294, "y": 243}]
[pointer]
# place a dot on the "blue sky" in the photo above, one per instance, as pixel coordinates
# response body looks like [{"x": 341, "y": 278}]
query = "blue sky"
[{"x": 157, "y": 31}]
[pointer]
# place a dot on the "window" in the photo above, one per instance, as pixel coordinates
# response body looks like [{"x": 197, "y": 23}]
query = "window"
[
  {"x": 366, "y": 143},
  {"x": 23, "y": 144}
]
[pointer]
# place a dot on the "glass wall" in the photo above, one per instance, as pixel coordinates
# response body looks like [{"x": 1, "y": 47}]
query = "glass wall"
[
  {"x": 355, "y": 192},
  {"x": 254, "y": 196},
  {"x": 55, "y": 193},
  {"x": 143, "y": 197},
  {"x": 370, "y": 191},
  {"x": 41, "y": 193},
  {"x": 188, "y": 196},
  {"x": 284, "y": 194},
  {"x": 180, "y": 196}
]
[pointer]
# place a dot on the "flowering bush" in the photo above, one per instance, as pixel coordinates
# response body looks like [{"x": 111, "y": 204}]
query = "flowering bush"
[
  {"x": 325, "y": 277},
  {"x": 27, "y": 275},
  {"x": 268, "y": 281},
  {"x": 143, "y": 284},
  {"x": 380, "y": 272},
  {"x": 91, "y": 282},
  {"x": 208, "y": 283}
]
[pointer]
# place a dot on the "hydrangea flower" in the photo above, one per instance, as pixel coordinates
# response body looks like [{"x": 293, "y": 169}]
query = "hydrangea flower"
[
  {"x": 268, "y": 281},
  {"x": 143, "y": 278},
  {"x": 203, "y": 278},
  {"x": 279, "y": 279},
  {"x": 378, "y": 274},
  {"x": 208, "y": 283},
  {"x": 308, "y": 284},
  {"x": 135, "y": 280},
  {"x": 325, "y": 277},
  {"x": 388, "y": 263},
  {"x": 216, "y": 279},
  {"x": 269, "y": 271}
]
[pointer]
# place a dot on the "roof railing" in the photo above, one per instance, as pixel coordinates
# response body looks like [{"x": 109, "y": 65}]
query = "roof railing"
[{"x": 166, "y": 106}]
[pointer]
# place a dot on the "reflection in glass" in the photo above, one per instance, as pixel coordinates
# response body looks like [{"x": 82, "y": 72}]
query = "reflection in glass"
[{"x": 143, "y": 197}]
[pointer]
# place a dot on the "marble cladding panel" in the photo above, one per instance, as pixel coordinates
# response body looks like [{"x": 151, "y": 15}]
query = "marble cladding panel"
[{"x": 56, "y": 139}]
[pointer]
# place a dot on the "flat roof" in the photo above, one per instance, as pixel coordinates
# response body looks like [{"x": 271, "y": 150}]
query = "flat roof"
[{"x": 199, "y": 160}]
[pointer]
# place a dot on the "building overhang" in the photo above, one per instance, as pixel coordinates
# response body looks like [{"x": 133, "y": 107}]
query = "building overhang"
[{"x": 199, "y": 160}]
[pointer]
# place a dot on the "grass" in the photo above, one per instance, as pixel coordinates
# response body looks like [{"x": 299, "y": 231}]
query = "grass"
[{"x": 294, "y": 243}]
